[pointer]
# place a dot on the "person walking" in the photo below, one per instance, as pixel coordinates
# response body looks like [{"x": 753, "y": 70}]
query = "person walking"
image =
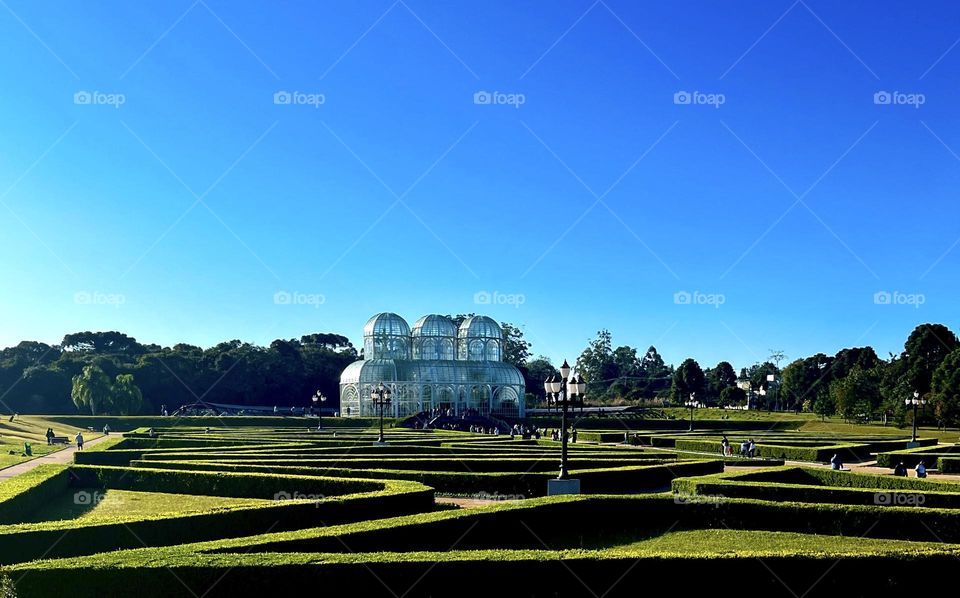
[
  {"x": 50, "y": 436},
  {"x": 79, "y": 441}
]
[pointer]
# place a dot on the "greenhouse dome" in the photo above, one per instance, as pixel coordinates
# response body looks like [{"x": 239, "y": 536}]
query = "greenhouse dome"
[{"x": 426, "y": 374}]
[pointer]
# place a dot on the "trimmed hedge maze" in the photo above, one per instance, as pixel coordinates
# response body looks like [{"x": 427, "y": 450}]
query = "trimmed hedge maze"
[{"x": 261, "y": 511}]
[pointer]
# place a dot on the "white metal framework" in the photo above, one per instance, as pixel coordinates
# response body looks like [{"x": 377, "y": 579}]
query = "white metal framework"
[{"x": 436, "y": 365}]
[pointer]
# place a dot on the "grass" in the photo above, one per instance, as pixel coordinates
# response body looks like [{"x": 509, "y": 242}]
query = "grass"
[
  {"x": 32, "y": 429},
  {"x": 728, "y": 542},
  {"x": 96, "y": 504}
]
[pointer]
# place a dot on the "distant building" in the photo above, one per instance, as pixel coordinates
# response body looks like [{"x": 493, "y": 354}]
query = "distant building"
[{"x": 436, "y": 365}]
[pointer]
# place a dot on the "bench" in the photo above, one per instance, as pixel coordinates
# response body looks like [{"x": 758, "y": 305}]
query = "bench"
[{"x": 60, "y": 440}]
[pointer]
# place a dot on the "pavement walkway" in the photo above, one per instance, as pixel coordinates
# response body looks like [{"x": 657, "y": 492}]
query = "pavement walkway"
[{"x": 61, "y": 457}]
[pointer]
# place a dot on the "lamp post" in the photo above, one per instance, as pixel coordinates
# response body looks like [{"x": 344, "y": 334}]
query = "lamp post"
[
  {"x": 691, "y": 403},
  {"x": 564, "y": 391},
  {"x": 319, "y": 398},
  {"x": 915, "y": 401},
  {"x": 381, "y": 398}
]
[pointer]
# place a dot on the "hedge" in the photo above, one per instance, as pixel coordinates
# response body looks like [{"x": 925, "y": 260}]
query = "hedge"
[
  {"x": 25, "y": 542},
  {"x": 25, "y": 492},
  {"x": 519, "y": 484}
]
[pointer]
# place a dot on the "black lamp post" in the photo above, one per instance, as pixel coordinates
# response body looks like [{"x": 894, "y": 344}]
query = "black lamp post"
[
  {"x": 692, "y": 404},
  {"x": 318, "y": 397},
  {"x": 381, "y": 398},
  {"x": 915, "y": 401},
  {"x": 564, "y": 391}
]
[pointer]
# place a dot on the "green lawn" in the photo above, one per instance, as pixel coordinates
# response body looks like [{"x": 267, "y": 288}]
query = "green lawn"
[
  {"x": 93, "y": 504},
  {"x": 720, "y": 542},
  {"x": 32, "y": 429}
]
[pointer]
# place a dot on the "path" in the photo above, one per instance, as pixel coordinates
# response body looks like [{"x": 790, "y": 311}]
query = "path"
[{"x": 61, "y": 457}]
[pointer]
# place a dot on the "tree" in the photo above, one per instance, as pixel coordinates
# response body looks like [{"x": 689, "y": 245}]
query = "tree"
[
  {"x": 596, "y": 363},
  {"x": 805, "y": 379},
  {"x": 92, "y": 390},
  {"x": 719, "y": 378},
  {"x": 924, "y": 350},
  {"x": 857, "y": 395},
  {"x": 516, "y": 350},
  {"x": 945, "y": 396},
  {"x": 127, "y": 398},
  {"x": 733, "y": 396},
  {"x": 687, "y": 379},
  {"x": 536, "y": 371}
]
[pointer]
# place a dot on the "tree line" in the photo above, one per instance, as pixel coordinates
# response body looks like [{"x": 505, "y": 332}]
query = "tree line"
[
  {"x": 855, "y": 383},
  {"x": 113, "y": 373}
]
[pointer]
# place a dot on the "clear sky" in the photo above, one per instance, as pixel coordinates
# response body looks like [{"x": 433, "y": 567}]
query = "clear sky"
[{"x": 582, "y": 162}]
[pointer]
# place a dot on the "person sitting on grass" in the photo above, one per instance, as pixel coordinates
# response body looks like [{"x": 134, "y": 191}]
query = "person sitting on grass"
[
  {"x": 921, "y": 470},
  {"x": 900, "y": 470},
  {"x": 836, "y": 463}
]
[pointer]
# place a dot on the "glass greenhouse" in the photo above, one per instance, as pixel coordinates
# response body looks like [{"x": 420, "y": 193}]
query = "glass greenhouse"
[{"x": 434, "y": 365}]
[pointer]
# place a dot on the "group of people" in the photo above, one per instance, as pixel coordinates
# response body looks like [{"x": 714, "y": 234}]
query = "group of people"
[
  {"x": 901, "y": 470},
  {"x": 748, "y": 448},
  {"x": 50, "y": 435}
]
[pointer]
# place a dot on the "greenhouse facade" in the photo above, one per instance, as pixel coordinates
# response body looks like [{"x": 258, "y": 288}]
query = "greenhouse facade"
[{"x": 436, "y": 365}]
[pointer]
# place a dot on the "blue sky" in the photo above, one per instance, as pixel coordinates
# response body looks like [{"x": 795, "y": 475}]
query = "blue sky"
[{"x": 151, "y": 183}]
